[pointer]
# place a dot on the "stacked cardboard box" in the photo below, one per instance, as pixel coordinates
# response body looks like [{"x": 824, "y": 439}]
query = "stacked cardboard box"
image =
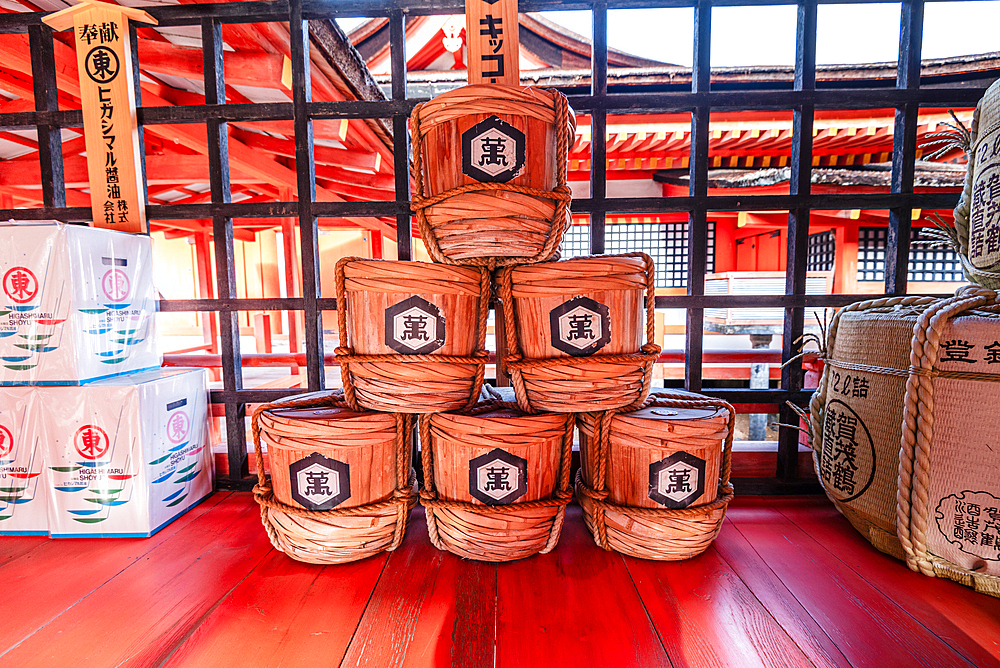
[{"x": 95, "y": 439}]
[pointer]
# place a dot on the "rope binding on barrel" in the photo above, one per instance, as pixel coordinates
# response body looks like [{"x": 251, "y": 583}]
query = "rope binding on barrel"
[
  {"x": 346, "y": 355},
  {"x": 404, "y": 496},
  {"x": 648, "y": 353},
  {"x": 913, "y": 492},
  {"x": 429, "y": 496},
  {"x": 565, "y": 126},
  {"x": 598, "y": 494}
]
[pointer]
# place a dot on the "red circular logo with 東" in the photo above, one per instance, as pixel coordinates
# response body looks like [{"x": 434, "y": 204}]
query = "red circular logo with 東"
[
  {"x": 115, "y": 285},
  {"x": 177, "y": 427},
  {"x": 20, "y": 284},
  {"x": 6, "y": 441},
  {"x": 91, "y": 441}
]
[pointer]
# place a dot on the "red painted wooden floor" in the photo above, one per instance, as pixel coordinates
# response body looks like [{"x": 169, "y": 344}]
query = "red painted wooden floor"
[{"x": 787, "y": 583}]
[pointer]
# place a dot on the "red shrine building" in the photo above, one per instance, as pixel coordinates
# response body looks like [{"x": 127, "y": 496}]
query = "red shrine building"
[
  {"x": 648, "y": 156},
  {"x": 749, "y": 152}
]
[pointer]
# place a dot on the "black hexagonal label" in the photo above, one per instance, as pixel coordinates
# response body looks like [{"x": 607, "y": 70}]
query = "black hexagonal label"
[
  {"x": 414, "y": 326},
  {"x": 320, "y": 483},
  {"x": 492, "y": 151},
  {"x": 580, "y": 326},
  {"x": 675, "y": 482},
  {"x": 498, "y": 477}
]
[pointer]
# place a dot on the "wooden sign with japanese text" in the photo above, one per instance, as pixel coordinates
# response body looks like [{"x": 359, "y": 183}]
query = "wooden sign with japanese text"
[
  {"x": 491, "y": 30},
  {"x": 107, "y": 95}
]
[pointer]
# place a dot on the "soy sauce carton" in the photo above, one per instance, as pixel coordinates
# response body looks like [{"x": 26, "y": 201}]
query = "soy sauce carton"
[
  {"x": 76, "y": 304},
  {"x": 23, "y": 501},
  {"x": 127, "y": 455}
]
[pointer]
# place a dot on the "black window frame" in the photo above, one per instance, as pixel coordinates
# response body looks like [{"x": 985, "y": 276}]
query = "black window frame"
[{"x": 803, "y": 97}]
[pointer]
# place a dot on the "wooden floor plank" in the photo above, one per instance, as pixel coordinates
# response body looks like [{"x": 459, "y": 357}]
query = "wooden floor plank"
[
  {"x": 775, "y": 596},
  {"x": 14, "y": 547},
  {"x": 967, "y": 621},
  {"x": 786, "y": 583},
  {"x": 575, "y": 606},
  {"x": 870, "y": 629},
  {"x": 430, "y": 608},
  {"x": 58, "y": 573},
  {"x": 707, "y": 617},
  {"x": 284, "y": 613},
  {"x": 142, "y": 613}
]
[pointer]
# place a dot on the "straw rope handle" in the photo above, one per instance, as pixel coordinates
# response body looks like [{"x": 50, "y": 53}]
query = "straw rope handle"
[
  {"x": 515, "y": 363},
  {"x": 561, "y": 193},
  {"x": 345, "y": 353},
  {"x": 427, "y": 492},
  {"x": 326, "y": 399},
  {"x": 345, "y": 367},
  {"x": 918, "y": 423},
  {"x": 602, "y": 438},
  {"x": 403, "y": 498}
]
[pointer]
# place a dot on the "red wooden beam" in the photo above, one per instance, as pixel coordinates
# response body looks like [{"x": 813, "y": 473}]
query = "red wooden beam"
[
  {"x": 262, "y": 70},
  {"x": 324, "y": 155},
  {"x": 241, "y": 157}
]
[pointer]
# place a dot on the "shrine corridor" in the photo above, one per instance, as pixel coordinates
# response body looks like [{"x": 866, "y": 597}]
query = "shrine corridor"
[{"x": 787, "y": 583}]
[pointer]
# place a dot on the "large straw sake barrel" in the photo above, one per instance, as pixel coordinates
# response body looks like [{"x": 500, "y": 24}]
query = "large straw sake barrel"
[
  {"x": 976, "y": 234},
  {"x": 496, "y": 480},
  {"x": 580, "y": 332},
  {"x": 904, "y": 430},
  {"x": 341, "y": 485},
  {"x": 412, "y": 334},
  {"x": 489, "y": 174},
  {"x": 654, "y": 481}
]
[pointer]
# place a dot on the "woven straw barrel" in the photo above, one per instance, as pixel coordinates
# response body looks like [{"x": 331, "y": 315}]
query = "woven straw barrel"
[
  {"x": 654, "y": 482},
  {"x": 341, "y": 486},
  {"x": 576, "y": 334},
  {"x": 415, "y": 334},
  {"x": 496, "y": 480},
  {"x": 977, "y": 216},
  {"x": 467, "y": 216},
  {"x": 903, "y": 429}
]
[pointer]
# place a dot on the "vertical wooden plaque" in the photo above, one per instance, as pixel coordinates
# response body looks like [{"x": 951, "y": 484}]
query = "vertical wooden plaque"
[
  {"x": 107, "y": 94},
  {"x": 491, "y": 30}
]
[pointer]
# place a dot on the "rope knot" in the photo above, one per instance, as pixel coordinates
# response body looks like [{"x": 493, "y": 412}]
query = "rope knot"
[
  {"x": 341, "y": 351},
  {"x": 650, "y": 349}
]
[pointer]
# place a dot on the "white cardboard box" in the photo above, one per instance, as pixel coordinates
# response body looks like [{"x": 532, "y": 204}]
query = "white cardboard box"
[
  {"x": 23, "y": 501},
  {"x": 126, "y": 455},
  {"x": 76, "y": 304}
]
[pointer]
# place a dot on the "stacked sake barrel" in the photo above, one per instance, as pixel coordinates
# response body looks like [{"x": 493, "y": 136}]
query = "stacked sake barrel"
[
  {"x": 492, "y": 204},
  {"x": 577, "y": 337}
]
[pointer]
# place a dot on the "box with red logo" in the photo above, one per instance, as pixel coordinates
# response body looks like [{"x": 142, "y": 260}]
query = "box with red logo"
[
  {"x": 127, "y": 455},
  {"x": 76, "y": 304},
  {"x": 23, "y": 501}
]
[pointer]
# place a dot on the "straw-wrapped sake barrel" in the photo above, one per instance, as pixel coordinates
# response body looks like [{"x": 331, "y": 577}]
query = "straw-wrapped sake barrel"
[
  {"x": 904, "y": 430},
  {"x": 489, "y": 174},
  {"x": 412, "y": 334},
  {"x": 654, "y": 482},
  {"x": 580, "y": 332},
  {"x": 496, "y": 480},
  {"x": 341, "y": 485},
  {"x": 977, "y": 216}
]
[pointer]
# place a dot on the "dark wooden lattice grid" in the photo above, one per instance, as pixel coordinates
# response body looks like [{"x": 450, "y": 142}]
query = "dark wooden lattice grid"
[
  {"x": 822, "y": 254},
  {"x": 928, "y": 261},
  {"x": 803, "y": 98}
]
